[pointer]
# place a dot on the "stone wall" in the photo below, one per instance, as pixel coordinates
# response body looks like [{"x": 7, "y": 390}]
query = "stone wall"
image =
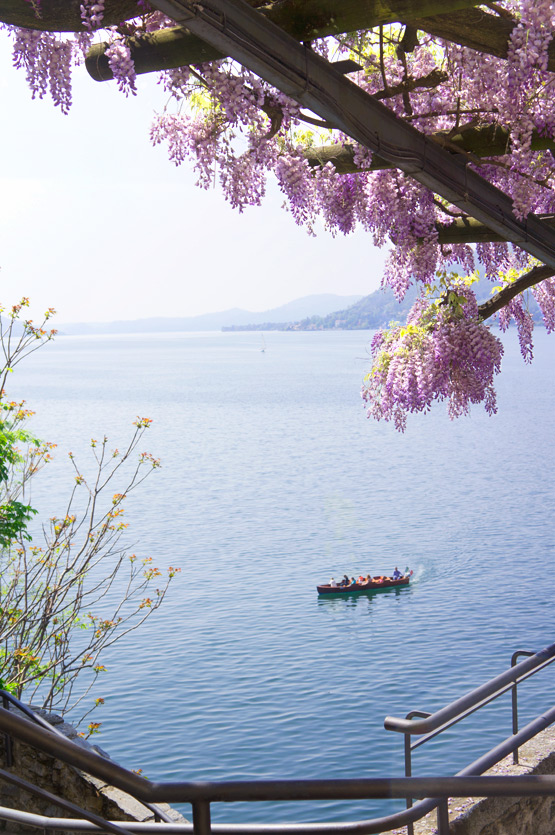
[
  {"x": 70, "y": 783},
  {"x": 505, "y": 815},
  {"x": 489, "y": 816}
]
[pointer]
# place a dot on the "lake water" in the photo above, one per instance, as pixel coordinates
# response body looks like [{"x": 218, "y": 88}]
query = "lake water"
[{"x": 272, "y": 481}]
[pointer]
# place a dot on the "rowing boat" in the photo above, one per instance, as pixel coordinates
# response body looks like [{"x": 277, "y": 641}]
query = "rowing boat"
[{"x": 374, "y": 585}]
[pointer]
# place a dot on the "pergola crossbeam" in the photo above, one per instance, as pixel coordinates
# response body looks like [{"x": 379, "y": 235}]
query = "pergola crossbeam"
[{"x": 303, "y": 19}]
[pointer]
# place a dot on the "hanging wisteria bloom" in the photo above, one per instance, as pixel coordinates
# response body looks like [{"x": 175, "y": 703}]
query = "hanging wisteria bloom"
[
  {"x": 121, "y": 64},
  {"x": 444, "y": 352}
]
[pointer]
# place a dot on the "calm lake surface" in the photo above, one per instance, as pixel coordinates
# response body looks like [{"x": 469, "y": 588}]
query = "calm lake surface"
[{"x": 272, "y": 481}]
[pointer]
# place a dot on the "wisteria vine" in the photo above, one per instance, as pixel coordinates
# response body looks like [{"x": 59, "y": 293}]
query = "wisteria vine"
[
  {"x": 444, "y": 352},
  {"x": 235, "y": 128}
]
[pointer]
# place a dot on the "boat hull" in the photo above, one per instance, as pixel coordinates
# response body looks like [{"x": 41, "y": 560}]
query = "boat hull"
[{"x": 363, "y": 588}]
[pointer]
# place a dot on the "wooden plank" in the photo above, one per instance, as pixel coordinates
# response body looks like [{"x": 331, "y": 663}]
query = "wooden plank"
[{"x": 303, "y": 19}]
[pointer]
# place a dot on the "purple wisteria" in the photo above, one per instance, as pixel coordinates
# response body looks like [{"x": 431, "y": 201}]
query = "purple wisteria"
[
  {"x": 444, "y": 352},
  {"x": 237, "y": 131},
  {"x": 46, "y": 60},
  {"x": 121, "y": 64},
  {"x": 92, "y": 14}
]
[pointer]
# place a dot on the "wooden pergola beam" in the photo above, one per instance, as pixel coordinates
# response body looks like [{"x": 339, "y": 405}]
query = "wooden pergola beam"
[
  {"x": 481, "y": 142},
  {"x": 474, "y": 28},
  {"x": 62, "y": 15},
  {"x": 467, "y": 230},
  {"x": 486, "y": 141},
  {"x": 303, "y": 19}
]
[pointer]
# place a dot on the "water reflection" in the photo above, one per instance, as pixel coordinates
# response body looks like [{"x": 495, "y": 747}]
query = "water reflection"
[{"x": 360, "y": 598}]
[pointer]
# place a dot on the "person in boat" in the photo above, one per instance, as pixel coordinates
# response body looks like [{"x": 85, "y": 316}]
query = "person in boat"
[
  {"x": 397, "y": 574},
  {"x": 345, "y": 581},
  {"x": 368, "y": 579},
  {"x": 361, "y": 579},
  {"x": 353, "y": 582},
  {"x": 333, "y": 584}
]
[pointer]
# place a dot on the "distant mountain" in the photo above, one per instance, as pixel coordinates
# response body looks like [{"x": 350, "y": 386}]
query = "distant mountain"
[
  {"x": 367, "y": 313},
  {"x": 318, "y": 312},
  {"x": 377, "y": 310},
  {"x": 317, "y": 305}
]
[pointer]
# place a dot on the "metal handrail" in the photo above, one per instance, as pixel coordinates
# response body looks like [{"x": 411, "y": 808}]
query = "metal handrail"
[
  {"x": 8, "y": 698},
  {"x": 484, "y": 702},
  {"x": 493, "y": 688},
  {"x": 443, "y": 787},
  {"x": 430, "y": 725},
  {"x": 202, "y": 794}
]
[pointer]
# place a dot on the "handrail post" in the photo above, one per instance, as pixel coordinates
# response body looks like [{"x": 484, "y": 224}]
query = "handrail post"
[
  {"x": 8, "y": 741},
  {"x": 514, "y": 698},
  {"x": 201, "y": 817},
  {"x": 443, "y": 816},
  {"x": 408, "y": 761},
  {"x": 408, "y": 773},
  {"x": 408, "y": 757}
]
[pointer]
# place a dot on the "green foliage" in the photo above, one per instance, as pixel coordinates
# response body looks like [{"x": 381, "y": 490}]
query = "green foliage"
[
  {"x": 18, "y": 340},
  {"x": 55, "y": 620},
  {"x": 14, "y": 517}
]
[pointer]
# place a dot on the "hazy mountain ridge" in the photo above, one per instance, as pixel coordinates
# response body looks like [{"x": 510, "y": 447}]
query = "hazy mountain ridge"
[
  {"x": 377, "y": 310},
  {"x": 368, "y": 313},
  {"x": 317, "y": 312},
  {"x": 316, "y": 305}
]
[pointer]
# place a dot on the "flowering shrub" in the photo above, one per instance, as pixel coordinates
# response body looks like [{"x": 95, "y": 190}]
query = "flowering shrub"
[{"x": 54, "y": 618}]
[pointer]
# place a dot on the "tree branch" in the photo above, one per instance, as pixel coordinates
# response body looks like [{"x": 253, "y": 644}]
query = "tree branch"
[
  {"x": 500, "y": 10},
  {"x": 501, "y": 299},
  {"x": 433, "y": 79}
]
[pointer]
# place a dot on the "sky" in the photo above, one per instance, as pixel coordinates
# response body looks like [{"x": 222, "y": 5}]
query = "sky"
[{"x": 98, "y": 224}]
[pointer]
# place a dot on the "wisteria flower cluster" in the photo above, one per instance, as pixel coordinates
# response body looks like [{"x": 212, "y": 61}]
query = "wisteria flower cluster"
[
  {"x": 92, "y": 13},
  {"x": 47, "y": 63},
  {"x": 444, "y": 352},
  {"x": 238, "y": 131},
  {"x": 122, "y": 66}
]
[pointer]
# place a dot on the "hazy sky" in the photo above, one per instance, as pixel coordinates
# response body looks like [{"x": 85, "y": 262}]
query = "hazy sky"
[{"x": 100, "y": 225}]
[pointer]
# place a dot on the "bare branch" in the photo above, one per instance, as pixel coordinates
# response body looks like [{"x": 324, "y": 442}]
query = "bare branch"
[
  {"x": 49, "y": 594},
  {"x": 433, "y": 79}
]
